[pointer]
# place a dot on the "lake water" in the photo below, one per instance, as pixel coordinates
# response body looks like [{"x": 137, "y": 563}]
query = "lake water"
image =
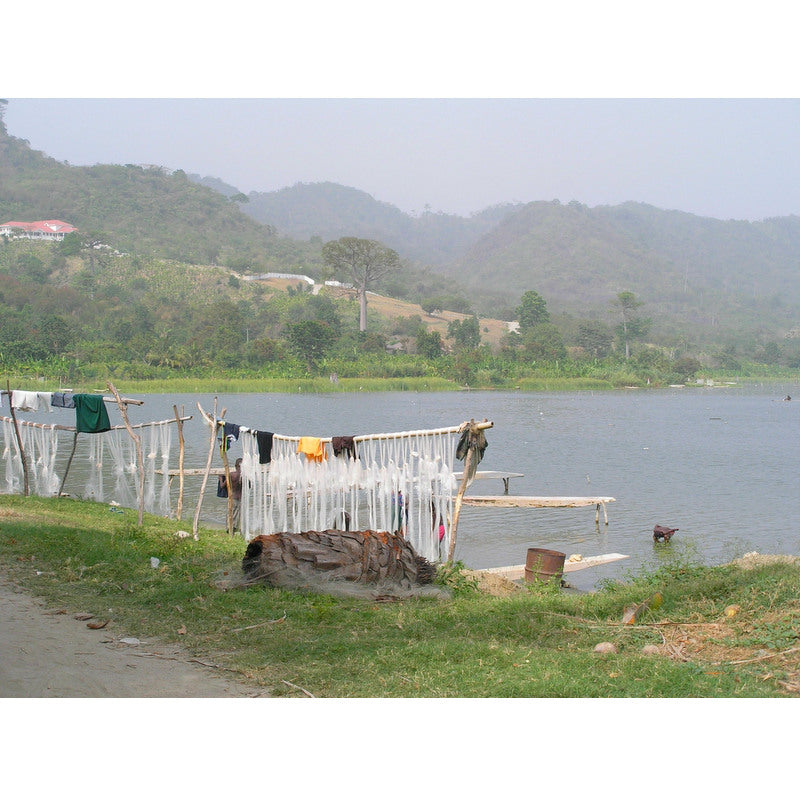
[{"x": 720, "y": 464}]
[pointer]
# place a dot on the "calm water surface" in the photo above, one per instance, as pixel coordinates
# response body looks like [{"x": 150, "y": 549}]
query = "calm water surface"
[{"x": 720, "y": 464}]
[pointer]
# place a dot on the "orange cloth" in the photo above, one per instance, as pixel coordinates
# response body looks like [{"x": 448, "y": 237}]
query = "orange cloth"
[{"x": 313, "y": 448}]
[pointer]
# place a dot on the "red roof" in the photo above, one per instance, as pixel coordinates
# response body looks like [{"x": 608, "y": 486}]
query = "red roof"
[{"x": 43, "y": 225}]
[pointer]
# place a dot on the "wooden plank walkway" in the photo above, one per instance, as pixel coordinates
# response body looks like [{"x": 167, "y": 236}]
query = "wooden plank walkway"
[
  {"x": 506, "y": 501},
  {"x": 489, "y": 473}
]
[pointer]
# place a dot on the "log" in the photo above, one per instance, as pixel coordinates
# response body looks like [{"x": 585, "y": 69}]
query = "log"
[{"x": 295, "y": 560}]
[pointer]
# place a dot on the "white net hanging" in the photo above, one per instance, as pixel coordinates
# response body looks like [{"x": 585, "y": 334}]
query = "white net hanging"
[
  {"x": 12, "y": 463},
  {"x": 156, "y": 444},
  {"x": 398, "y": 482},
  {"x": 40, "y": 443},
  {"x": 46, "y": 482}
]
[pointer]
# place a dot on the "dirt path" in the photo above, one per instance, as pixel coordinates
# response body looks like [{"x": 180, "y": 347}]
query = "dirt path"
[{"x": 47, "y": 654}]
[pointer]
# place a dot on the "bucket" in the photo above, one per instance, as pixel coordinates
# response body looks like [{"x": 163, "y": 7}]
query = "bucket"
[{"x": 543, "y": 565}]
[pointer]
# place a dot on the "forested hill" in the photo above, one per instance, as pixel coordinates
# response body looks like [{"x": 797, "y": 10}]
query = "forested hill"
[
  {"x": 138, "y": 210},
  {"x": 329, "y": 211},
  {"x": 698, "y": 278},
  {"x": 695, "y": 274}
]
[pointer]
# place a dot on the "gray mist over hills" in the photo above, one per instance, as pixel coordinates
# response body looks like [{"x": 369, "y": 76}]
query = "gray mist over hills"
[{"x": 726, "y": 159}]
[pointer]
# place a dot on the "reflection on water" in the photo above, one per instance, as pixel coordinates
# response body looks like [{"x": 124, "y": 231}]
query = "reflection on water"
[{"x": 719, "y": 464}]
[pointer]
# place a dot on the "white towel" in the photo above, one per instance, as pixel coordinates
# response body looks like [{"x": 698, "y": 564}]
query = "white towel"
[
  {"x": 25, "y": 401},
  {"x": 45, "y": 398}
]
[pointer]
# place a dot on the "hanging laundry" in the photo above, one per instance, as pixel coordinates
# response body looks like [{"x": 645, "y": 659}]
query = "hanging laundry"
[
  {"x": 230, "y": 431},
  {"x": 312, "y": 448},
  {"x": 45, "y": 400},
  {"x": 90, "y": 413},
  {"x": 264, "y": 442},
  {"x": 24, "y": 401},
  {"x": 63, "y": 400},
  {"x": 344, "y": 445}
]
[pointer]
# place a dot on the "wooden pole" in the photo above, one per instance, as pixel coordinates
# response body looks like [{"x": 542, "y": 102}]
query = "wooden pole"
[
  {"x": 180, "y": 459},
  {"x": 69, "y": 463},
  {"x": 459, "y": 500},
  {"x": 466, "y": 480},
  {"x": 212, "y": 421},
  {"x": 137, "y": 441},
  {"x": 229, "y": 512},
  {"x": 19, "y": 440}
]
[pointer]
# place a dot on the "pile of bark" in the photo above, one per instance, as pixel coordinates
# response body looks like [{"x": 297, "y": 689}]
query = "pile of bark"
[{"x": 367, "y": 557}]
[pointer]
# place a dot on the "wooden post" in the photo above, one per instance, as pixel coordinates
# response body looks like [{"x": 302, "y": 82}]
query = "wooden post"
[
  {"x": 466, "y": 480},
  {"x": 69, "y": 463},
  {"x": 229, "y": 511},
  {"x": 213, "y": 439},
  {"x": 137, "y": 441},
  {"x": 178, "y": 419},
  {"x": 19, "y": 440},
  {"x": 458, "y": 501}
]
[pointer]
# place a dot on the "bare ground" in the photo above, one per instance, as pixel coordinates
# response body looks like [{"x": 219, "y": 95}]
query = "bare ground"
[{"x": 49, "y": 653}]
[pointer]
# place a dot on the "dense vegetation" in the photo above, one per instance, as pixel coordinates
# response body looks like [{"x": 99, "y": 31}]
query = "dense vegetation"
[
  {"x": 154, "y": 286},
  {"x": 140, "y": 210},
  {"x": 74, "y": 313}
]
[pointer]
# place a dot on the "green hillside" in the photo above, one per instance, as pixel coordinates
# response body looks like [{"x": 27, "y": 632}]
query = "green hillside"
[
  {"x": 705, "y": 279},
  {"x": 139, "y": 210},
  {"x": 699, "y": 277},
  {"x": 706, "y": 286}
]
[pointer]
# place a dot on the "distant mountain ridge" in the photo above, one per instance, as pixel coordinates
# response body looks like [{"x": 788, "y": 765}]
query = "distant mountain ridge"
[
  {"x": 698, "y": 277},
  {"x": 692, "y": 272},
  {"x": 329, "y": 211}
]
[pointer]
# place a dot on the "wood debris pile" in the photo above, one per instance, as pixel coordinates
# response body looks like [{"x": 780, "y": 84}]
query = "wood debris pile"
[{"x": 371, "y": 557}]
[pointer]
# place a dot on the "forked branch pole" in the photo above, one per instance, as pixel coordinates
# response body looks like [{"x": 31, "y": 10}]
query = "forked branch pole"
[
  {"x": 19, "y": 439},
  {"x": 137, "y": 441},
  {"x": 181, "y": 453},
  {"x": 212, "y": 423}
]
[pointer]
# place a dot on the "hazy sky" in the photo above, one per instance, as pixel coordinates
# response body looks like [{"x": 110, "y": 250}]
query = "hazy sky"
[
  {"x": 322, "y": 64},
  {"x": 721, "y": 158}
]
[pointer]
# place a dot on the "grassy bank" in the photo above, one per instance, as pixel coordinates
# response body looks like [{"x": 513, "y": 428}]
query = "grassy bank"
[
  {"x": 535, "y": 642},
  {"x": 249, "y": 385}
]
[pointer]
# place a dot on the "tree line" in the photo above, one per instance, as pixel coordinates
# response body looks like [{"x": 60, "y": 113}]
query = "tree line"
[{"x": 79, "y": 310}]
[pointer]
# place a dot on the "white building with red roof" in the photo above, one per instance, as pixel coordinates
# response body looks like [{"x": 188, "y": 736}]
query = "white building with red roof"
[{"x": 48, "y": 230}]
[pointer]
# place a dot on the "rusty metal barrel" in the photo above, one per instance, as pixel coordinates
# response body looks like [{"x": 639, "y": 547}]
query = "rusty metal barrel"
[{"x": 544, "y": 565}]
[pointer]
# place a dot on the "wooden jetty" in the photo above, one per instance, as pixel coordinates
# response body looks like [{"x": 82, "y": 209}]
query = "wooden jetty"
[
  {"x": 484, "y": 474},
  {"x": 511, "y": 501}
]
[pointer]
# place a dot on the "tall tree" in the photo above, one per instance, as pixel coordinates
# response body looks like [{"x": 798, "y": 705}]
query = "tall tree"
[
  {"x": 631, "y": 325},
  {"x": 311, "y": 340},
  {"x": 465, "y": 333},
  {"x": 595, "y": 338},
  {"x": 364, "y": 261},
  {"x": 531, "y": 311}
]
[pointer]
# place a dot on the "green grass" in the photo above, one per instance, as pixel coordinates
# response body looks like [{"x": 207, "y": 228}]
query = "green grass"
[
  {"x": 537, "y": 643},
  {"x": 256, "y": 385}
]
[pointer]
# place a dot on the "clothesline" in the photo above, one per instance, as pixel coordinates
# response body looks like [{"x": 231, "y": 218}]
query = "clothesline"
[
  {"x": 47, "y": 396},
  {"x": 399, "y": 482},
  {"x": 370, "y": 437},
  {"x": 72, "y": 429}
]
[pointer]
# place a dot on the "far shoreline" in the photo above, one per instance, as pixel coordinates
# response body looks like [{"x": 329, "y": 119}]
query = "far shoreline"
[
  {"x": 326, "y": 385},
  {"x": 320, "y": 385}
]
